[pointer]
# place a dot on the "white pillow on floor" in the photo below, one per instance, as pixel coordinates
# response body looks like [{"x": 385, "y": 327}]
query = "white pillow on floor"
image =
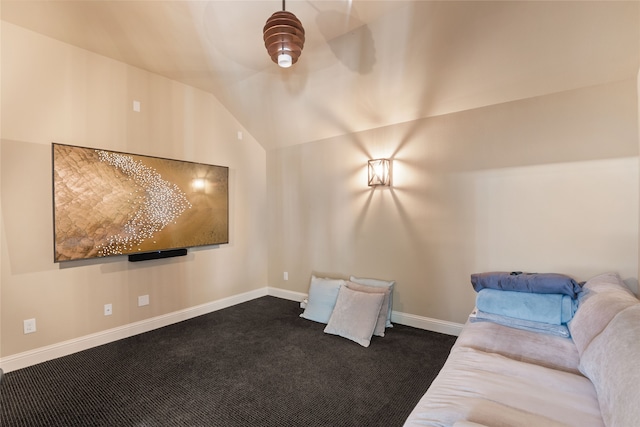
[
  {"x": 384, "y": 310},
  {"x": 355, "y": 315}
]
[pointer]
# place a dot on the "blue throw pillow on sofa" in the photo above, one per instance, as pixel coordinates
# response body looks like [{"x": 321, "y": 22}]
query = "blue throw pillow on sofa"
[{"x": 542, "y": 283}]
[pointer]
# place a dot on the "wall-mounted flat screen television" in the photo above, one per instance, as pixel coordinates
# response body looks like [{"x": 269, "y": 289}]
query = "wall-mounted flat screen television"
[{"x": 107, "y": 203}]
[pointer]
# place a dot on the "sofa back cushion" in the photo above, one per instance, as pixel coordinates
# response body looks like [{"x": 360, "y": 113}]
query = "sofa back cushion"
[
  {"x": 610, "y": 361},
  {"x": 601, "y": 299}
]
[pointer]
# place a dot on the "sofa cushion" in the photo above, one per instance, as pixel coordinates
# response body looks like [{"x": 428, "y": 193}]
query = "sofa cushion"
[
  {"x": 602, "y": 298},
  {"x": 487, "y": 388},
  {"x": 606, "y": 282},
  {"x": 610, "y": 361},
  {"x": 532, "y": 347}
]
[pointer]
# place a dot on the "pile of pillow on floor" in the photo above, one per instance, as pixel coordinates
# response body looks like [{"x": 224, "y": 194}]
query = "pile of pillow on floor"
[
  {"x": 355, "y": 309},
  {"x": 538, "y": 302}
]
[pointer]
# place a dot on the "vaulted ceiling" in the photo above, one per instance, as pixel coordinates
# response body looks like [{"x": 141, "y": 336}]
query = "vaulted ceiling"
[{"x": 365, "y": 64}]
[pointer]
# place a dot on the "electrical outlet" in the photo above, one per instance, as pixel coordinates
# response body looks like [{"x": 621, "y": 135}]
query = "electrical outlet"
[
  {"x": 143, "y": 300},
  {"x": 29, "y": 326},
  {"x": 286, "y": 275},
  {"x": 108, "y": 309}
]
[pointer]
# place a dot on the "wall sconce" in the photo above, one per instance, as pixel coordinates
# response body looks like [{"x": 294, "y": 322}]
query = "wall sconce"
[{"x": 379, "y": 172}]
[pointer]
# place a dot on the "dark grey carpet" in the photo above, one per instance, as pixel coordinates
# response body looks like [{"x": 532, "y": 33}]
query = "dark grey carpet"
[{"x": 257, "y": 363}]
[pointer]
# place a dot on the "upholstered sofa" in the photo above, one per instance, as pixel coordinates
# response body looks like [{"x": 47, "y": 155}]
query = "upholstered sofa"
[{"x": 503, "y": 376}]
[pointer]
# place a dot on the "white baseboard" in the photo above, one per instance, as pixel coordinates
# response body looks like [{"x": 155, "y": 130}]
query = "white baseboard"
[
  {"x": 286, "y": 294},
  {"x": 42, "y": 354},
  {"x": 435, "y": 325}
]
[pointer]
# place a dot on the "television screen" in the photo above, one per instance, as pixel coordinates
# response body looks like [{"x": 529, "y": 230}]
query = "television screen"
[{"x": 107, "y": 203}]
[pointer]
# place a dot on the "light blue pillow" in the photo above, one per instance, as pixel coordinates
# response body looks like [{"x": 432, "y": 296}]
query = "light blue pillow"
[
  {"x": 389, "y": 284},
  {"x": 323, "y": 294}
]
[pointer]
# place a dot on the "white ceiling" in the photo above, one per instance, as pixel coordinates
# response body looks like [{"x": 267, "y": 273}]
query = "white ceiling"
[{"x": 365, "y": 64}]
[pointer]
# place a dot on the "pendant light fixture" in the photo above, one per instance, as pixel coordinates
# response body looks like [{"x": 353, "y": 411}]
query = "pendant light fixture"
[{"x": 283, "y": 37}]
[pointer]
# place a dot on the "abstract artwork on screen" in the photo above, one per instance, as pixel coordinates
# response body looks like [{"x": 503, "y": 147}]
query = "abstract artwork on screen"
[{"x": 108, "y": 203}]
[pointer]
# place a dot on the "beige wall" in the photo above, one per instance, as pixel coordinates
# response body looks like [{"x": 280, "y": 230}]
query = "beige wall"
[
  {"x": 53, "y": 92},
  {"x": 546, "y": 184},
  {"x": 542, "y": 184}
]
